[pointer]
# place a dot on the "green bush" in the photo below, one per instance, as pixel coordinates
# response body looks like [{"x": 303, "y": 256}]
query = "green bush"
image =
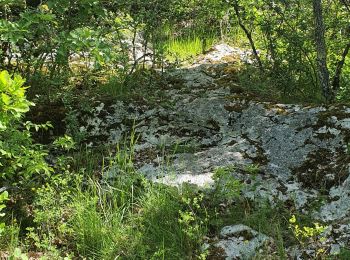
[
  {"x": 3, "y": 198},
  {"x": 21, "y": 160}
]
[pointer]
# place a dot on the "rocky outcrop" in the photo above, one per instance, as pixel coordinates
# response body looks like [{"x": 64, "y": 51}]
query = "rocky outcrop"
[{"x": 206, "y": 123}]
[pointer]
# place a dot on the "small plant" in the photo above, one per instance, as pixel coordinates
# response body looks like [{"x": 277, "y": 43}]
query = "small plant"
[
  {"x": 310, "y": 235},
  {"x": 194, "y": 219},
  {"x": 66, "y": 142},
  {"x": 224, "y": 170},
  {"x": 189, "y": 219},
  {"x": 18, "y": 255},
  {"x": 227, "y": 187},
  {"x": 252, "y": 169},
  {"x": 3, "y": 198}
]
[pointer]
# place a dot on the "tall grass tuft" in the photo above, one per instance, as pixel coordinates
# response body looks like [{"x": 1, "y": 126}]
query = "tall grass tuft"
[
  {"x": 126, "y": 216},
  {"x": 184, "y": 48}
]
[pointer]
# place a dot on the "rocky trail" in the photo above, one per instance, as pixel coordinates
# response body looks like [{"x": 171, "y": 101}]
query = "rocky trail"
[{"x": 205, "y": 123}]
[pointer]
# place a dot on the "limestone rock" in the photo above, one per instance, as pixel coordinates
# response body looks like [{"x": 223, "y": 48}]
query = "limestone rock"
[{"x": 239, "y": 242}]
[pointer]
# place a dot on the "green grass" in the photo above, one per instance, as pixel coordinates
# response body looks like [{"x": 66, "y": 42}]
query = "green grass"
[
  {"x": 115, "y": 87},
  {"x": 89, "y": 160},
  {"x": 344, "y": 254},
  {"x": 143, "y": 225},
  {"x": 183, "y": 49},
  {"x": 117, "y": 214},
  {"x": 10, "y": 237},
  {"x": 96, "y": 225}
]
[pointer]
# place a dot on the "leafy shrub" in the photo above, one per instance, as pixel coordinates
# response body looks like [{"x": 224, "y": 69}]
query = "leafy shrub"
[
  {"x": 3, "y": 198},
  {"x": 20, "y": 158},
  {"x": 314, "y": 236}
]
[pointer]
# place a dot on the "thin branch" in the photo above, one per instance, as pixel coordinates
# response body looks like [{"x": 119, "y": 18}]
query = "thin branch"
[{"x": 248, "y": 34}]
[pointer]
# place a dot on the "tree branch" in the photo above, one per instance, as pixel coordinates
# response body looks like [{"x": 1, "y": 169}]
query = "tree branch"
[{"x": 338, "y": 71}]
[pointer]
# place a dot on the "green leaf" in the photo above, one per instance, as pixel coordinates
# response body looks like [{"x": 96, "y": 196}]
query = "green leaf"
[
  {"x": 4, "y": 78},
  {"x": 6, "y": 99}
]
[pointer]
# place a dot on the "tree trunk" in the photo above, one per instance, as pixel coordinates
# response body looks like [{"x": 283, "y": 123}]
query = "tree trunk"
[{"x": 321, "y": 49}]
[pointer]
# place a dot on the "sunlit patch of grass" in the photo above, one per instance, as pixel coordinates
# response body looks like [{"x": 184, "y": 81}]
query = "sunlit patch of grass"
[
  {"x": 186, "y": 48},
  {"x": 114, "y": 87}
]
